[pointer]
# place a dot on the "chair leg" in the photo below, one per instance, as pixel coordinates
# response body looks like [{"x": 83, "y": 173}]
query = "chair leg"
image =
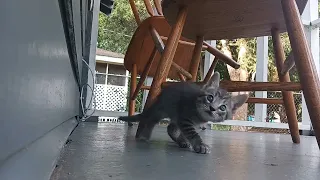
[
  {"x": 165, "y": 61},
  {"x": 167, "y": 56},
  {"x": 133, "y": 86},
  {"x": 287, "y": 95},
  {"x": 211, "y": 69},
  {"x": 304, "y": 63},
  {"x": 195, "y": 61}
]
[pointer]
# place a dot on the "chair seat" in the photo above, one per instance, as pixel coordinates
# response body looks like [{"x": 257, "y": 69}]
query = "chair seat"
[
  {"x": 228, "y": 19},
  {"x": 141, "y": 46}
]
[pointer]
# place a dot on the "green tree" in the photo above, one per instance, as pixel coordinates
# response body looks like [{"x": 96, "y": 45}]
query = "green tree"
[
  {"x": 115, "y": 31},
  {"x": 249, "y": 62}
]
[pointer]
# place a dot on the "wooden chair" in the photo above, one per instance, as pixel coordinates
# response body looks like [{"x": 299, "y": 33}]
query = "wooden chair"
[
  {"x": 230, "y": 19},
  {"x": 145, "y": 54}
]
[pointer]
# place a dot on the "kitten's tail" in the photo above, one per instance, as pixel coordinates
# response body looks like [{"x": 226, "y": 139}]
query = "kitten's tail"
[{"x": 135, "y": 118}]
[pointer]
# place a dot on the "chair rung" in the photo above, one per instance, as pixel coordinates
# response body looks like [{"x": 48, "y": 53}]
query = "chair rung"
[
  {"x": 181, "y": 70},
  {"x": 238, "y": 86},
  {"x": 146, "y": 87},
  {"x": 265, "y": 100},
  {"x": 204, "y": 47}
]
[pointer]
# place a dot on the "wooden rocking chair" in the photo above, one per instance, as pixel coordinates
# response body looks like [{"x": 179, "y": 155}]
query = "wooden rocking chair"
[
  {"x": 145, "y": 57},
  {"x": 254, "y": 18}
]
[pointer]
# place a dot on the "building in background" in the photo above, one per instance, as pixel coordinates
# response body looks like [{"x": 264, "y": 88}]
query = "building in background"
[{"x": 111, "y": 84}]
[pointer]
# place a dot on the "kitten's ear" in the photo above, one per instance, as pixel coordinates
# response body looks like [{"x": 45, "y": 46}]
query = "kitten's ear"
[
  {"x": 238, "y": 101},
  {"x": 213, "y": 82}
]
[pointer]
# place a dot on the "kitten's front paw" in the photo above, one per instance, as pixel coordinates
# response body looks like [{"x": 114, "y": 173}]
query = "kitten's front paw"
[
  {"x": 142, "y": 138},
  {"x": 201, "y": 148},
  {"x": 183, "y": 144}
]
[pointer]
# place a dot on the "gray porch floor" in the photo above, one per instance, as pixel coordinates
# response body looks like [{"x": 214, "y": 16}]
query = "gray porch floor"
[{"x": 109, "y": 151}]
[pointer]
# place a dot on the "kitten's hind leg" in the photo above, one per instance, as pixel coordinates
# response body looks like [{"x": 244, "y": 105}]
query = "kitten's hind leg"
[
  {"x": 142, "y": 131},
  {"x": 187, "y": 128},
  {"x": 141, "y": 127},
  {"x": 146, "y": 130},
  {"x": 176, "y": 135}
]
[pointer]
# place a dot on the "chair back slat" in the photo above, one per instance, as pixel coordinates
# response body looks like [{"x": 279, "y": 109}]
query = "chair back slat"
[
  {"x": 135, "y": 11},
  {"x": 148, "y": 5},
  {"x": 157, "y": 4}
]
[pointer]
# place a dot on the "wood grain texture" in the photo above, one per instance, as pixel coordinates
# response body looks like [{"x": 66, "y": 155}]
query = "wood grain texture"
[
  {"x": 235, "y": 86},
  {"x": 157, "y": 39},
  {"x": 167, "y": 57},
  {"x": 142, "y": 42},
  {"x": 182, "y": 78},
  {"x": 133, "y": 85},
  {"x": 228, "y": 19},
  {"x": 287, "y": 95},
  {"x": 242, "y": 86},
  {"x": 304, "y": 63},
  {"x": 160, "y": 46},
  {"x": 157, "y": 4},
  {"x": 148, "y": 5},
  {"x": 135, "y": 11},
  {"x": 222, "y": 56},
  {"x": 145, "y": 87},
  {"x": 141, "y": 46},
  {"x": 195, "y": 60},
  {"x": 211, "y": 69},
  {"x": 204, "y": 47},
  {"x": 144, "y": 74},
  {"x": 181, "y": 70},
  {"x": 264, "y": 100}
]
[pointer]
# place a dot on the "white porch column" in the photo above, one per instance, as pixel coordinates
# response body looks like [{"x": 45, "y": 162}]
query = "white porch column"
[
  {"x": 312, "y": 33},
  {"x": 208, "y": 58},
  {"x": 92, "y": 55},
  {"x": 147, "y": 82},
  {"x": 260, "y": 112}
]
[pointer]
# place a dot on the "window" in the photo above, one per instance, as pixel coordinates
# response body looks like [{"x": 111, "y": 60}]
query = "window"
[
  {"x": 116, "y": 80},
  {"x": 116, "y": 75},
  {"x": 101, "y": 75},
  {"x": 101, "y": 78},
  {"x": 101, "y": 67},
  {"x": 116, "y": 69},
  {"x": 110, "y": 74}
]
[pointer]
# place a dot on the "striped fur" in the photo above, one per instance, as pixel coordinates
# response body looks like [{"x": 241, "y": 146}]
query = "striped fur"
[{"x": 188, "y": 106}]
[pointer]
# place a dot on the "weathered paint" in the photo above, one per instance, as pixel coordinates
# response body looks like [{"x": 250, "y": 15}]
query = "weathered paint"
[
  {"x": 106, "y": 151},
  {"x": 38, "y": 91}
]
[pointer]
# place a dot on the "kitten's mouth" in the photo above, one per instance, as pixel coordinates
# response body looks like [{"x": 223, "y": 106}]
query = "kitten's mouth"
[
  {"x": 210, "y": 113},
  {"x": 218, "y": 121}
]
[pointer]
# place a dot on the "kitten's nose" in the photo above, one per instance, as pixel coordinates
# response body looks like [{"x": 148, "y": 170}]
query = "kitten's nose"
[{"x": 211, "y": 108}]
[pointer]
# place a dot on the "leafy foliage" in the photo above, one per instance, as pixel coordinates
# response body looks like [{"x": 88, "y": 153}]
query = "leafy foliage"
[
  {"x": 115, "y": 31},
  {"x": 249, "y": 60}
]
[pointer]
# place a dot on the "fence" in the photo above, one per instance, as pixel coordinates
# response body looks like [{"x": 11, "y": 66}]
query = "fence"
[
  {"x": 278, "y": 109},
  {"x": 115, "y": 98}
]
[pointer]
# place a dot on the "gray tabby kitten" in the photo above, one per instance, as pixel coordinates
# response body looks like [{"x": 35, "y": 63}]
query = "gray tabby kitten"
[{"x": 188, "y": 105}]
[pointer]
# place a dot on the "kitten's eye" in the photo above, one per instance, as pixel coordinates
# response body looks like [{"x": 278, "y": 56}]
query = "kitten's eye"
[
  {"x": 210, "y": 98},
  {"x": 223, "y": 107}
]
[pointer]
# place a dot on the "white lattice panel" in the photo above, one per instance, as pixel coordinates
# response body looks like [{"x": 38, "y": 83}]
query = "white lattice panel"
[
  {"x": 110, "y": 98},
  {"x": 100, "y": 96},
  {"x": 116, "y": 98}
]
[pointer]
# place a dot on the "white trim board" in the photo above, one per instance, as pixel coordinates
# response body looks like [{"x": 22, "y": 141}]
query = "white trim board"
[
  {"x": 261, "y": 124},
  {"x": 109, "y": 59},
  {"x": 110, "y": 113}
]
